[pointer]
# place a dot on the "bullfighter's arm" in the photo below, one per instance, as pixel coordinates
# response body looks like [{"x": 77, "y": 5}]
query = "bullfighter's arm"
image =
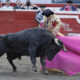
[{"x": 58, "y": 26}]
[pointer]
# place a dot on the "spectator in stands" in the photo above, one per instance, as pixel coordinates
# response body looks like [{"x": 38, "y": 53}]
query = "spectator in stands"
[
  {"x": 39, "y": 16},
  {"x": 0, "y": 4},
  {"x": 69, "y": 7},
  {"x": 7, "y": 6},
  {"x": 28, "y": 5},
  {"x": 18, "y": 5},
  {"x": 78, "y": 7},
  {"x": 51, "y": 21}
]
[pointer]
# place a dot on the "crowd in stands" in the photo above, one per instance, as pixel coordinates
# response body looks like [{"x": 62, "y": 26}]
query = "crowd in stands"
[
  {"x": 69, "y": 6},
  {"x": 18, "y": 5},
  {"x": 28, "y": 5}
]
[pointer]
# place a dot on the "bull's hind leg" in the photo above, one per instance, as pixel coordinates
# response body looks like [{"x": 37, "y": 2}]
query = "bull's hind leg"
[
  {"x": 42, "y": 60},
  {"x": 32, "y": 52},
  {"x": 12, "y": 64}
]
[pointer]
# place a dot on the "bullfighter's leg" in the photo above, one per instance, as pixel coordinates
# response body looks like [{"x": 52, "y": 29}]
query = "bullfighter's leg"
[
  {"x": 32, "y": 52},
  {"x": 12, "y": 64},
  {"x": 42, "y": 60}
]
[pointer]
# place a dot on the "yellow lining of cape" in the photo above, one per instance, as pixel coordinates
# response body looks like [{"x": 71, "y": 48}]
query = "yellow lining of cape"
[{"x": 55, "y": 70}]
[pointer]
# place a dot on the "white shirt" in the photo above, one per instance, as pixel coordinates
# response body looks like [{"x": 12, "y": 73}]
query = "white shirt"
[{"x": 6, "y": 8}]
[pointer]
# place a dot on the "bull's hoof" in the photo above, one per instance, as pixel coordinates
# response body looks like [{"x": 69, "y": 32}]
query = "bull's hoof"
[
  {"x": 45, "y": 72},
  {"x": 34, "y": 69},
  {"x": 14, "y": 69}
]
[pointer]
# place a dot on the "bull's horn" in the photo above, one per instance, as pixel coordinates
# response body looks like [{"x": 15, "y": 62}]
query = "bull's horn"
[{"x": 56, "y": 41}]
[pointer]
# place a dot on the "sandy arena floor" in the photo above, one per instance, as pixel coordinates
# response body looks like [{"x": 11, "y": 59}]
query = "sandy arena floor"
[{"x": 24, "y": 71}]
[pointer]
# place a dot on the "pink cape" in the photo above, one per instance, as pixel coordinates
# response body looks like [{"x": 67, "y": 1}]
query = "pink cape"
[{"x": 69, "y": 61}]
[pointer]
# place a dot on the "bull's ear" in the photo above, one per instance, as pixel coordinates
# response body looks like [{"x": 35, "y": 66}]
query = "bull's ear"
[
  {"x": 53, "y": 38},
  {"x": 56, "y": 40}
]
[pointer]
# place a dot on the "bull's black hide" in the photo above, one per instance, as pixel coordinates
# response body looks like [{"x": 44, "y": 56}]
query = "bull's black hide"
[{"x": 35, "y": 42}]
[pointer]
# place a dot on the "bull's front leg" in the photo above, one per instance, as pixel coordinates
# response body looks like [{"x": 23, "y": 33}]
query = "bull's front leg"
[
  {"x": 32, "y": 52},
  {"x": 12, "y": 64},
  {"x": 42, "y": 60}
]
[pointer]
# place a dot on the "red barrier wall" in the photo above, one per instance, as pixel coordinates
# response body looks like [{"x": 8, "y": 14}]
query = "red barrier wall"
[{"x": 13, "y": 21}]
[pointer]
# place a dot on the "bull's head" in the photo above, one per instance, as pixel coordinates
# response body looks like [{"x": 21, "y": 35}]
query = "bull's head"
[{"x": 55, "y": 46}]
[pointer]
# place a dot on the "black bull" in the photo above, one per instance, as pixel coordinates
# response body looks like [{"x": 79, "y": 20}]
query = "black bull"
[{"x": 35, "y": 42}]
